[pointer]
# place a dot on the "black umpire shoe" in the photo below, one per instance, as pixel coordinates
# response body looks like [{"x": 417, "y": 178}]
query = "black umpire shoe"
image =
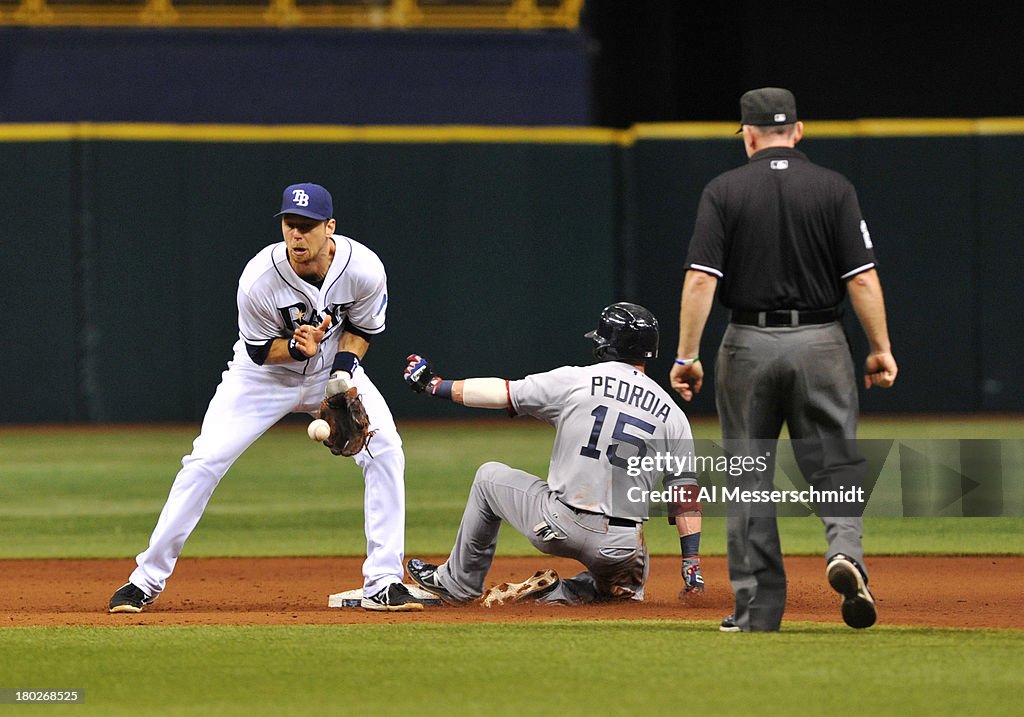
[
  {"x": 847, "y": 579},
  {"x": 129, "y": 598},
  {"x": 425, "y": 576},
  {"x": 394, "y": 598},
  {"x": 729, "y": 625}
]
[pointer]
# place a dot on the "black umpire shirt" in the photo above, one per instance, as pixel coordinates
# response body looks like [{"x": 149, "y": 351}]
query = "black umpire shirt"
[{"x": 780, "y": 233}]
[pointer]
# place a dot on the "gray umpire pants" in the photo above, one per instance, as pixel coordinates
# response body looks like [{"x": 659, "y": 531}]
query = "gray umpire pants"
[
  {"x": 803, "y": 377},
  {"x": 615, "y": 556}
]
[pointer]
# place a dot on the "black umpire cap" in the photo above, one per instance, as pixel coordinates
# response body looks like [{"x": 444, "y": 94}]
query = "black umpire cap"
[{"x": 768, "y": 107}]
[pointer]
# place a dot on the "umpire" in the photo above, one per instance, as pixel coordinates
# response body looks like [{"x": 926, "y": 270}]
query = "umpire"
[{"x": 786, "y": 241}]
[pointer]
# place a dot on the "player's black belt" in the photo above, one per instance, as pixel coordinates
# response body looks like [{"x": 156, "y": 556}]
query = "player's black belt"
[
  {"x": 618, "y": 522},
  {"x": 784, "y": 317}
]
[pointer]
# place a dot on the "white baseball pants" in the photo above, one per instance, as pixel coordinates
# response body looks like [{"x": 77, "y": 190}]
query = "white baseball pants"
[{"x": 248, "y": 402}]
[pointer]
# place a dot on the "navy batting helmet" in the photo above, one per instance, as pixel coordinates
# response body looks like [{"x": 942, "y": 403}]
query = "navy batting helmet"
[{"x": 625, "y": 332}]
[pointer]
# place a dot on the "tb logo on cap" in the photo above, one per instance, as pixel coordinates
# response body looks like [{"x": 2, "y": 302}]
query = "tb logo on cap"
[{"x": 307, "y": 200}]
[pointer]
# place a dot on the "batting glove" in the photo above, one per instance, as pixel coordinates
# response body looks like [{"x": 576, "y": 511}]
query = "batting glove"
[
  {"x": 693, "y": 580},
  {"x": 419, "y": 374}
]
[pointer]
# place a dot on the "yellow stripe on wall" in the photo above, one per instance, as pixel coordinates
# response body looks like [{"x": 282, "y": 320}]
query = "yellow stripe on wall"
[
  {"x": 161, "y": 132},
  {"x": 867, "y": 127},
  {"x": 147, "y": 132}
]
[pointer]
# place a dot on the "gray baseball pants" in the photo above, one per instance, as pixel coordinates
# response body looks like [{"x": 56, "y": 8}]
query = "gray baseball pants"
[
  {"x": 615, "y": 556},
  {"x": 803, "y": 377}
]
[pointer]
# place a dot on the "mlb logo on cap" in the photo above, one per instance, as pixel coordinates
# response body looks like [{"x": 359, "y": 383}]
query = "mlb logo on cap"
[
  {"x": 767, "y": 106},
  {"x": 307, "y": 200}
]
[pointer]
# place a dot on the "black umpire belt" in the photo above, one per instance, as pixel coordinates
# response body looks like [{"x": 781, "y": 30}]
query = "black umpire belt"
[
  {"x": 784, "y": 317},
  {"x": 619, "y": 522}
]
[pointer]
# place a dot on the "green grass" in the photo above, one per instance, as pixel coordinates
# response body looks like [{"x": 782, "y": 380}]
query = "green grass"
[
  {"x": 570, "y": 668},
  {"x": 93, "y": 493}
]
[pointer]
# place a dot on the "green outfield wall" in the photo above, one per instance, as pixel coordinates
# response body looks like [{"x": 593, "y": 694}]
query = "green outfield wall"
[{"x": 124, "y": 244}]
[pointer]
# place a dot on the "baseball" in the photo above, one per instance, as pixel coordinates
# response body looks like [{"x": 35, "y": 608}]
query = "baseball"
[{"x": 319, "y": 429}]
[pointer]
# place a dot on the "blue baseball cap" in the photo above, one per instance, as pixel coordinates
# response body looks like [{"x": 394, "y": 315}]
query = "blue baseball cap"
[{"x": 307, "y": 200}]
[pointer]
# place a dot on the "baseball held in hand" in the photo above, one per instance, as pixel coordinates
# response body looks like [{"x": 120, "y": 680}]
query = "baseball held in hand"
[{"x": 319, "y": 430}]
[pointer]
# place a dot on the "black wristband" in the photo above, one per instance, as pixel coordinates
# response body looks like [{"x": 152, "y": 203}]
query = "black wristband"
[
  {"x": 689, "y": 545},
  {"x": 345, "y": 361},
  {"x": 293, "y": 349},
  {"x": 443, "y": 389}
]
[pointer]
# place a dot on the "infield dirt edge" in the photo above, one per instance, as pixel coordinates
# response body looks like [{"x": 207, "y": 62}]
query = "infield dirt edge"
[{"x": 912, "y": 591}]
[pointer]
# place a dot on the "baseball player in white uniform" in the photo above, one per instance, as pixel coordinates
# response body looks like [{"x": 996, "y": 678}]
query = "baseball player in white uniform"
[
  {"x": 593, "y": 504},
  {"x": 308, "y": 307}
]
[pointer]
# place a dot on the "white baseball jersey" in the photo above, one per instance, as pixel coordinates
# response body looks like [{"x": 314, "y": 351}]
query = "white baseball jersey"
[
  {"x": 273, "y": 301},
  {"x": 604, "y": 415}
]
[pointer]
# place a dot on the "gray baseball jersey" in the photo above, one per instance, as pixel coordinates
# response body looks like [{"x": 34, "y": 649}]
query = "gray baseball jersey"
[{"x": 605, "y": 415}]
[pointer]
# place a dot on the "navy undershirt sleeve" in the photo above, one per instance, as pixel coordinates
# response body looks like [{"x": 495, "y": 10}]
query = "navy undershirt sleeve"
[{"x": 259, "y": 352}]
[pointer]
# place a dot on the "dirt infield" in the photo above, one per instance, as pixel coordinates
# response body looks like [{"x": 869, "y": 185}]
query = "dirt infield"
[{"x": 958, "y": 592}]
